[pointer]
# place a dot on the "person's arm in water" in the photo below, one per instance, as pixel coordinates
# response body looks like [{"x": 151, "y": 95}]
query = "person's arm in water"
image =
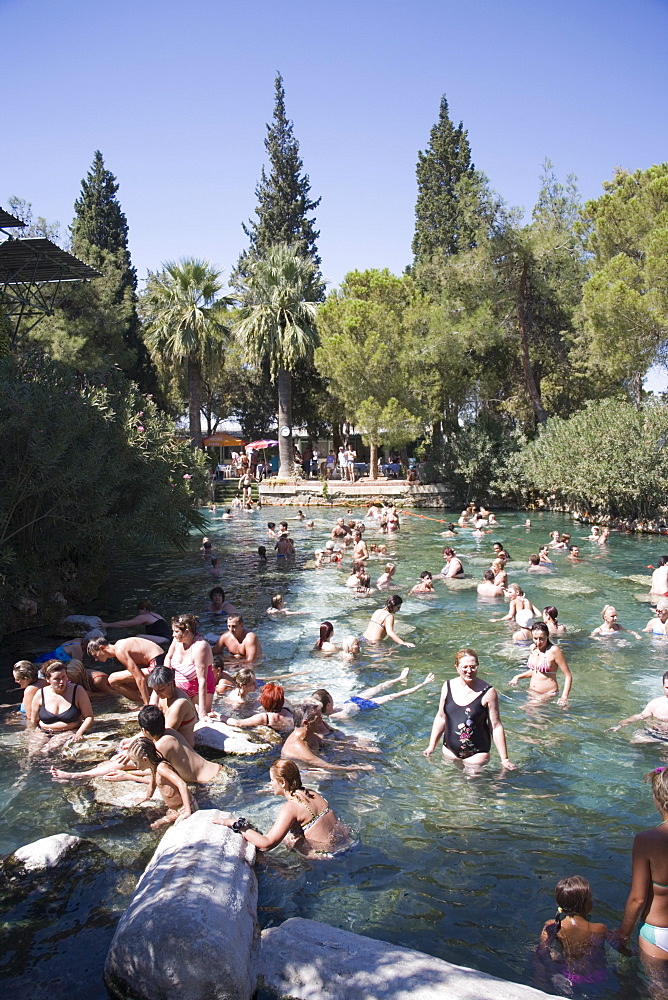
[
  {"x": 438, "y": 726},
  {"x": 498, "y": 732},
  {"x": 130, "y": 623},
  {"x": 560, "y": 660},
  {"x": 511, "y": 613},
  {"x": 646, "y": 713},
  {"x": 308, "y": 757},
  {"x": 265, "y": 841},
  {"x": 520, "y": 677},
  {"x": 86, "y": 709},
  {"x": 389, "y": 629},
  {"x": 641, "y": 878},
  {"x": 261, "y": 719}
]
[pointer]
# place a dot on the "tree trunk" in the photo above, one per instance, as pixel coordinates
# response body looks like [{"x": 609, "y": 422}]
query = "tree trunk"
[
  {"x": 523, "y": 324},
  {"x": 373, "y": 459},
  {"x": 286, "y": 451},
  {"x": 636, "y": 386},
  {"x": 195, "y": 402}
]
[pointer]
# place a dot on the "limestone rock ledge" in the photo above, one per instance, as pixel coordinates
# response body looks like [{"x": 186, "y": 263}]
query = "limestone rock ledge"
[
  {"x": 305, "y": 960},
  {"x": 190, "y": 931},
  {"x": 47, "y": 852}
]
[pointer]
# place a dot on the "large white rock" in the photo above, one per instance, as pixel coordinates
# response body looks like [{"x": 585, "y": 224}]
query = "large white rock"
[
  {"x": 219, "y": 736},
  {"x": 190, "y": 931},
  {"x": 47, "y": 852},
  {"x": 306, "y": 960}
]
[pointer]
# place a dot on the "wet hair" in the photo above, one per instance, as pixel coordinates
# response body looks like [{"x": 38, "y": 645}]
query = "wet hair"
[
  {"x": 52, "y": 666},
  {"x": 426, "y": 575},
  {"x": 572, "y": 548},
  {"x": 566, "y": 537},
  {"x": 461, "y": 653},
  {"x": 284, "y": 525},
  {"x": 572, "y": 896},
  {"x": 390, "y": 567},
  {"x": 393, "y": 603},
  {"x": 187, "y": 622},
  {"x": 357, "y": 567},
  {"x": 243, "y": 677},
  {"x": 608, "y": 607},
  {"x": 365, "y": 580},
  {"x": 551, "y": 612},
  {"x": 326, "y": 629},
  {"x": 348, "y": 643},
  {"x": 662, "y": 560},
  {"x": 451, "y": 527},
  {"x": 95, "y": 645},
  {"x": 235, "y": 619},
  {"x": 143, "y": 747},
  {"x": 218, "y": 662},
  {"x": 262, "y": 551},
  {"x": 543, "y": 548},
  {"x": 488, "y": 575},
  {"x": 276, "y": 601},
  {"x": 516, "y": 587},
  {"x": 534, "y": 559},
  {"x": 214, "y": 561},
  {"x": 658, "y": 779},
  {"x": 271, "y": 525},
  {"x": 449, "y": 551},
  {"x": 78, "y": 674},
  {"x": 323, "y": 698},
  {"x": 272, "y": 697},
  {"x": 305, "y": 714},
  {"x": 665, "y": 677},
  {"x": 25, "y": 671},
  {"x": 152, "y": 720},
  {"x": 216, "y": 590},
  {"x": 144, "y": 605},
  {"x": 288, "y": 772},
  {"x": 357, "y": 532},
  {"x": 542, "y": 628},
  {"x": 161, "y": 676}
]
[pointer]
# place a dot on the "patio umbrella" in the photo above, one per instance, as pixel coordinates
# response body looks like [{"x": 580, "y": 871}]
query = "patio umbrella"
[{"x": 257, "y": 445}]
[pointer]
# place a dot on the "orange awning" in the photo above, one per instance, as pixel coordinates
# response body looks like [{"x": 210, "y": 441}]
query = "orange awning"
[{"x": 222, "y": 440}]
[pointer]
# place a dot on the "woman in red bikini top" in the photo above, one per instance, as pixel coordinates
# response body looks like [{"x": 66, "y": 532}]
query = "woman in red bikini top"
[
  {"x": 191, "y": 657},
  {"x": 177, "y": 707}
]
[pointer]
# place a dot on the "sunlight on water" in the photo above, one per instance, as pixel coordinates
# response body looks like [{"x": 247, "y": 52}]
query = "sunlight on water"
[{"x": 461, "y": 868}]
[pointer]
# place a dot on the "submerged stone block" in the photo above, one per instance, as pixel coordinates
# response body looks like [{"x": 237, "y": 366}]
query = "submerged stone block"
[
  {"x": 190, "y": 931},
  {"x": 219, "y": 736},
  {"x": 47, "y": 852},
  {"x": 306, "y": 960}
]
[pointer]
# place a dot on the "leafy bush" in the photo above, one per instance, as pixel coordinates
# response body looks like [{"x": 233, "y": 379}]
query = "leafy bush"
[
  {"x": 91, "y": 471},
  {"x": 472, "y": 459},
  {"x": 608, "y": 459}
]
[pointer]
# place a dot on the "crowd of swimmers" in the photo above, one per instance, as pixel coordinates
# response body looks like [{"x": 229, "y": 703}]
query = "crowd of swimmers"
[{"x": 176, "y": 687}]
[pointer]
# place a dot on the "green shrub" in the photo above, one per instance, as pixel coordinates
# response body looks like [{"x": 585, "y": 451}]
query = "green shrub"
[
  {"x": 91, "y": 471},
  {"x": 608, "y": 459}
]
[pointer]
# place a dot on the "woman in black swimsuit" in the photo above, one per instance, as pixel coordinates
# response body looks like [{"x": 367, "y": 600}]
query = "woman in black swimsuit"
[
  {"x": 468, "y": 714},
  {"x": 156, "y": 628},
  {"x": 62, "y": 712}
]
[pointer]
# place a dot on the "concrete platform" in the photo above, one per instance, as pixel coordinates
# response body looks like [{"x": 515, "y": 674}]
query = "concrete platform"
[{"x": 337, "y": 493}]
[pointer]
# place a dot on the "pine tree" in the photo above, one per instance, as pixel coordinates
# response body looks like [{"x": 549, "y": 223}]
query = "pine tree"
[
  {"x": 448, "y": 192},
  {"x": 98, "y": 323},
  {"x": 283, "y": 197}
]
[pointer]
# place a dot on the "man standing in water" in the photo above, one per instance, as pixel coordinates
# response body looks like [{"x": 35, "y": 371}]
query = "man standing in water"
[
  {"x": 657, "y": 708},
  {"x": 138, "y": 656},
  {"x": 239, "y": 642}
]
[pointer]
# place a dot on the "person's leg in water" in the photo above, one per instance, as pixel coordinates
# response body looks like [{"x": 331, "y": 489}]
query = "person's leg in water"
[
  {"x": 371, "y": 693},
  {"x": 103, "y": 770}
]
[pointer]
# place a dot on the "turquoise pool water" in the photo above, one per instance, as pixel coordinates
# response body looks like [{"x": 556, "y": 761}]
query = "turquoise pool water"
[{"x": 463, "y": 868}]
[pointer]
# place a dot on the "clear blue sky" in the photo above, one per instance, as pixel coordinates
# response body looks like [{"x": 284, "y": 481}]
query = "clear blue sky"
[{"x": 177, "y": 95}]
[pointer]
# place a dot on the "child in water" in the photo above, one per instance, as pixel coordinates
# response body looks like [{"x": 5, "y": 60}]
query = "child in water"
[{"x": 580, "y": 957}]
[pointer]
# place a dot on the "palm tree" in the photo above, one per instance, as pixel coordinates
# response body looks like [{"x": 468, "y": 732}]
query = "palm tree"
[
  {"x": 277, "y": 323},
  {"x": 185, "y": 327}
]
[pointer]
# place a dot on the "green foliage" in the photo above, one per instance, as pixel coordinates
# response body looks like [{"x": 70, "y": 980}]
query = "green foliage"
[
  {"x": 185, "y": 330},
  {"x": 91, "y": 472},
  {"x": 283, "y": 202},
  {"x": 391, "y": 424},
  {"x": 625, "y": 301},
  {"x": 97, "y": 324},
  {"x": 609, "y": 458},
  {"x": 276, "y": 326},
  {"x": 472, "y": 459},
  {"x": 39, "y": 227}
]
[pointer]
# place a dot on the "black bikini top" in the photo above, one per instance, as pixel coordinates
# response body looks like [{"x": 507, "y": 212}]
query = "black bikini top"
[{"x": 70, "y": 714}]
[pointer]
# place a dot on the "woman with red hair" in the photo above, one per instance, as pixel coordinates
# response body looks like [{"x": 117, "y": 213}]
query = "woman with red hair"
[{"x": 275, "y": 714}]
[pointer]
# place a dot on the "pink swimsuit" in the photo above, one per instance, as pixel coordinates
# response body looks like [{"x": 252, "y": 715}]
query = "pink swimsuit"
[{"x": 186, "y": 674}]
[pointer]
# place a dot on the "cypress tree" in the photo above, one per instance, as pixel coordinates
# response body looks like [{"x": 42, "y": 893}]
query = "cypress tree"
[
  {"x": 98, "y": 324},
  {"x": 100, "y": 237},
  {"x": 283, "y": 196},
  {"x": 447, "y": 183}
]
